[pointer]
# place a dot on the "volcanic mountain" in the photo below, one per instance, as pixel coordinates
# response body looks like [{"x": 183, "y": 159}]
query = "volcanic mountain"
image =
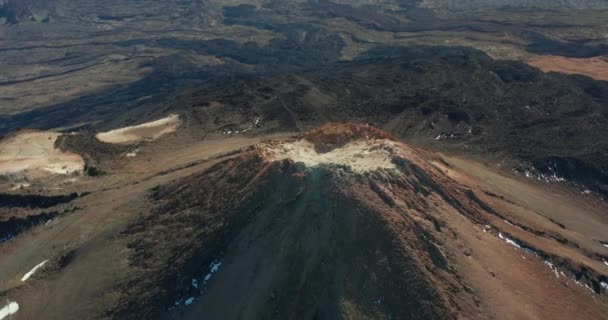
[{"x": 344, "y": 221}]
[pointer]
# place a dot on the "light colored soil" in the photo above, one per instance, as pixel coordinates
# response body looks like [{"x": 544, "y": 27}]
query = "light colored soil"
[
  {"x": 515, "y": 283},
  {"x": 34, "y": 154},
  {"x": 145, "y": 131},
  {"x": 531, "y": 201},
  {"x": 596, "y": 67},
  {"x": 360, "y": 156}
]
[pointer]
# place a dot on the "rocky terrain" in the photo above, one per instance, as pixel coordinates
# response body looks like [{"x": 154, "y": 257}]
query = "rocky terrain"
[
  {"x": 343, "y": 221},
  {"x": 320, "y": 235},
  {"x": 126, "y": 66},
  {"x": 539, "y": 123},
  {"x": 263, "y": 159},
  {"x": 131, "y": 53},
  {"x": 535, "y": 4}
]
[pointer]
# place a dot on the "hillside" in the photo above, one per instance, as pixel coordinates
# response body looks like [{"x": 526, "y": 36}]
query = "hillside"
[
  {"x": 303, "y": 159},
  {"x": 343, "y": 221}
]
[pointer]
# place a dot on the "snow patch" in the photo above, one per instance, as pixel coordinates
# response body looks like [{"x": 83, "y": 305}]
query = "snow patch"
[
  {"x": 10, "y": 309},
  {"x": 189, "y": 301},
  {"x": 551, "y": 177},
  {"x": 249, "y": 128},
  {"x": 509, "y": 240},
  {"x": 553, "y": 268},
  {"x": 132, "y": 153},
  {"x": 29, "y": 274},
  {"x": 215, "y": 266},
  {"x": 6, "y": 237},
  {"x": 604, "y": 285},
  {"x": 445, "y": 136},
  {"x": 198, "y": 287}
]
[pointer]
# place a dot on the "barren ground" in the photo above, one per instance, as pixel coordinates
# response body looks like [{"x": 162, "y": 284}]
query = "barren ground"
[
  {"x": 145, "y": 131},
  {"x": 596, "y": 68},
  {"x": 514, "y": 283},
  {"x": 34, "y": 154}
]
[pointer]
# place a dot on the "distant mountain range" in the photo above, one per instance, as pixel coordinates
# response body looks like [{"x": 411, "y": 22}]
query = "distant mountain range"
[
  {"x": 486, "y": 4},
  {"x": 15, "y": 11}
]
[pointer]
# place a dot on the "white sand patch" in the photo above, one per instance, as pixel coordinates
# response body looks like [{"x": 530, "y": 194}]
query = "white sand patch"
[
  {"x": 145, "y": 131},
  {"x": 20, "y": 186},
  {"x": 360, "y": 156},
  {"x": 10, "y": 309},
  {"x": 59, "y": 168},
  {"x": 29, "y": 274},
  {"x": 35, "y": 152}
]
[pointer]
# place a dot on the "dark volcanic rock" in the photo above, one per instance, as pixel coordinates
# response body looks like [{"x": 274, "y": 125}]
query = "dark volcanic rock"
[
  {"x": 34, "y": 201},
  {"x": 98, "y": 156},
  {"x": 322, "y": 242},
  {"x": 283, "y": 231},
  {"x": 459, "y": 97}
]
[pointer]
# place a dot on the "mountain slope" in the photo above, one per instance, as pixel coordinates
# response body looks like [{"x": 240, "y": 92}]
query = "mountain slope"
[
  {"x": 343, "y": 222},
  {"x": 443, "y": 97}
]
